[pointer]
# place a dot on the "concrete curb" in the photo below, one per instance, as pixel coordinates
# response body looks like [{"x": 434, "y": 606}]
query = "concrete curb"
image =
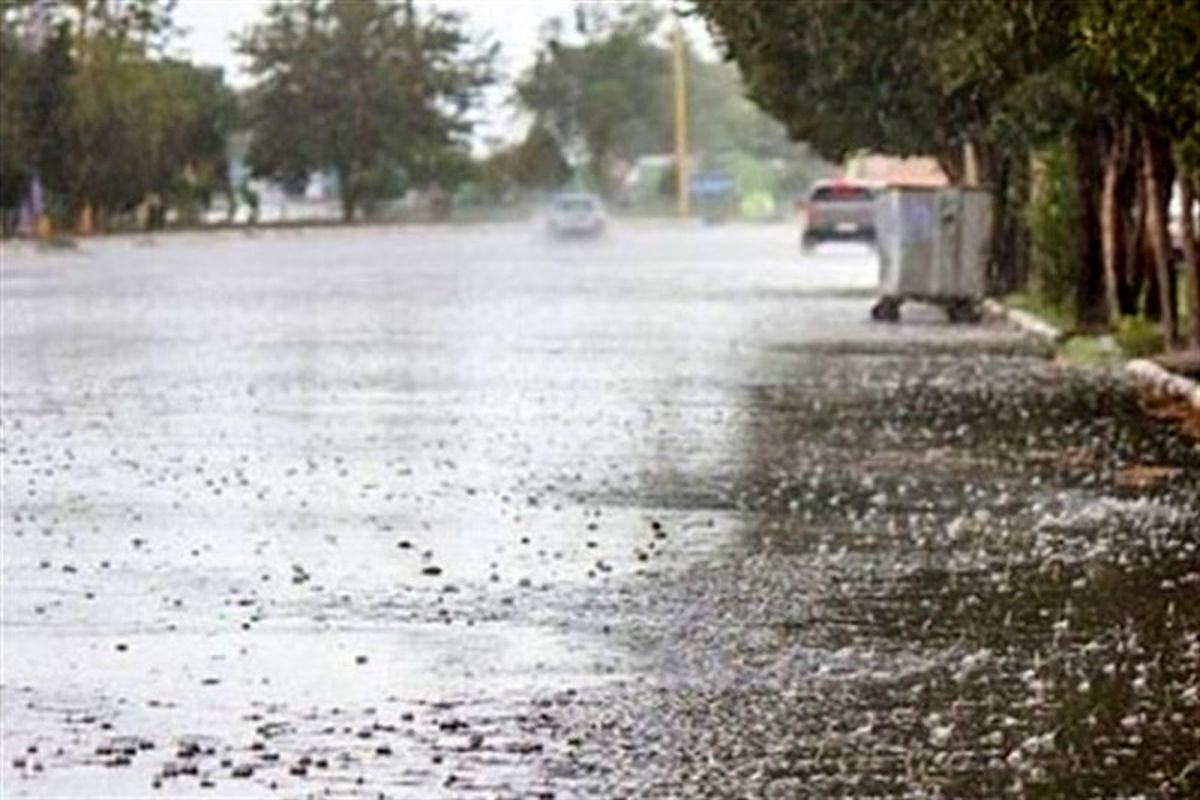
[
  {"x": 1048, "y": 336},
  {"x": 1156, "y": 380},
  {"x": 1147, "y": 375},
  {"x": 1024, "y": 322}
]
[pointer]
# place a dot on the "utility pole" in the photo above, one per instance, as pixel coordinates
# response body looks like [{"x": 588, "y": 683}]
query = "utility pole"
[{"x": 682, "y": 204}]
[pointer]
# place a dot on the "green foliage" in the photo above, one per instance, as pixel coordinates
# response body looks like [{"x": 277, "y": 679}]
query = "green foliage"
[
  {"x": 603, "y": 90},
  {"x": 94, "y": 110},
  {"x": 842, "y": 76},
  {"x": 1008, "y": 77},
  {"x": 1138, "y": 337},
  {"x": 1057, "y": 315},
  {"x": 750, "y": 174},
  {"x": 16, "y": 143},
  {"x": 367, "y": 88},
  {"x": 724, "y": 120},
  {"x": 601, "y": 96},
  {"x": 538, "y": 162},
  {"x": 535, "y": 164},
  {"x": 141, "y": 126},
  {"x": 1153, "y": 48},
  {"x": 1052, "y": 218},
  {"x": 894, "y": 76},
  {"x": 1090, "y": 351}
]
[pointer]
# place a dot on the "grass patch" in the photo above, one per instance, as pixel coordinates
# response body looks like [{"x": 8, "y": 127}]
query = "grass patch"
[
  {"x": 1059, "y": 317},
  {"x": 1139, "y": 338},
  {"x": 1091, "y": 351},
  {"x": 1135, "y": 337}
]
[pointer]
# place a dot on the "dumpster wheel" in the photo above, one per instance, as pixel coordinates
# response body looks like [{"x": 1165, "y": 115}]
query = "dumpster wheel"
[
  {"x": 963, "y": 310},
  {"x": 886, "y": 310}
]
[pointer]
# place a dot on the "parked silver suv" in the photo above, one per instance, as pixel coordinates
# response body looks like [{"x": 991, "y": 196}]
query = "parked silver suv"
[{"x": 839, "y": 211}]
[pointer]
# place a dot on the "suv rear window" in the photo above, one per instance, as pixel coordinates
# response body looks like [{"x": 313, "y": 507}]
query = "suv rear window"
[{"x": 842, "y": 194}]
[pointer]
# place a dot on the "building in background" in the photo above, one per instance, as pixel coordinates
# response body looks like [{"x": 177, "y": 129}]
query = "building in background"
[{"x": 892, "y": 170}]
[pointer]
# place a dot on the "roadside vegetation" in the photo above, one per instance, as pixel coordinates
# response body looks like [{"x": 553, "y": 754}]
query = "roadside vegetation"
[
  {"x": 1080, "y": 114},
  {"x": 113, "y": 131},
  {"x": 94, "y": 110},
  {"x": 375, "y": 92},
  {"x": 599, "y": 97},
  {"x": 371, "y": 102}
]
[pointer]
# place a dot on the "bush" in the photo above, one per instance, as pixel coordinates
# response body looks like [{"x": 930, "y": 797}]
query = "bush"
[
  {"x": 1053, "y": 220},
  {"x": 1138, "y": 337}
]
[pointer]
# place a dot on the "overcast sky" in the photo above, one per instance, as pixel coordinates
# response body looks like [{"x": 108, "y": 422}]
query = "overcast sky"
[{"x": 210, "y": 24}]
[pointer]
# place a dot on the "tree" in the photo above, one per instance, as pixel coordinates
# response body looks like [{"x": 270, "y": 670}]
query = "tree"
[
  {"x": 16, "y": 145},
  {"x": 602, "y": 88},
  {"x": 538, "y": 162},
  {"x": 189, "y": 113},
  {"x": 902, "y": 77},
  {"x": 982, "y": 85},
  {"x": 94, "y": 109},
  {"x": 600, "y": 94},
  {"x": 725, "y": 119},
  {"x": 1150, "y": 46},
  {"x": 366, "y": 88},
  {"x": 845, "y": 77}
]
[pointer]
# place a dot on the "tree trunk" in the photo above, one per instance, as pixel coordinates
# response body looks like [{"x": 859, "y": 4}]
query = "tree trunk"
[
  {"x": 1108, "y": 238},
  {"x": 1011, "y": 180},
  {"x": 1115, "y": 153},
  {"x": 1001, "y": 267},
  {"x": 1089, "y": 294},
  {"x": 346, "y": 194},
  {"x": 951, "y": 162},
  {"x": 1191, "y": 259},
  {"x": 86, "y": 224},
  {"x": 1153, "y": 154},
  {"x": 1135, "y": 248},
  {"x": 971, "y": 166}
]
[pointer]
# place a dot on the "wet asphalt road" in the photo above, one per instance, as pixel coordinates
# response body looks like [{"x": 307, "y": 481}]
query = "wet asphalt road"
[{"x": 468, "y": 513}]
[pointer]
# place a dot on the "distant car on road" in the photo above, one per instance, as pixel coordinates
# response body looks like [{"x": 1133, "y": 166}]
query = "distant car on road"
[
  {"x": 576, "y": 214},
  {"x": 839, "y": 211}
]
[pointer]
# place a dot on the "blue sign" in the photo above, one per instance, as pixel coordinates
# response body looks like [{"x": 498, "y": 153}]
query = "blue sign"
[{"x": 712, "y": 185}]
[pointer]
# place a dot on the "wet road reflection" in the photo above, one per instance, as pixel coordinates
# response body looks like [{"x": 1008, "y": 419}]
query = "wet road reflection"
[{"x": 469, "y": 513}]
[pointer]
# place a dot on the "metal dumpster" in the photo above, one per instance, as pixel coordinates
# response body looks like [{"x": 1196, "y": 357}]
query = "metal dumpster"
[{"x": 933, "y": 247}]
